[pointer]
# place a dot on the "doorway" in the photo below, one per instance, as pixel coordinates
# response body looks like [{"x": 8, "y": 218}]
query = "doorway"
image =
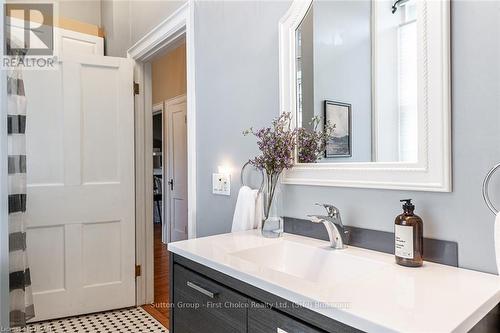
[
  {"x": 168, "y": 133},
  {"x": 170, "y": 34}
]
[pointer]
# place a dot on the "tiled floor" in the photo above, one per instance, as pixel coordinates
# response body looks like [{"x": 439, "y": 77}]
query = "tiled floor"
[
  {"x": 148, "y": 319},
  {"x": 132, "y": 320}
]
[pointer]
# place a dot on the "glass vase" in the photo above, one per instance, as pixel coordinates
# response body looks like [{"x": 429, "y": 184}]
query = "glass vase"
[{"x": 272, "y": 223}]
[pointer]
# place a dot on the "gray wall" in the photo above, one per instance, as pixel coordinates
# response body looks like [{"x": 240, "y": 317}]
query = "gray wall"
[
  {"x": 115, "y": 20},
  {"x": 88, "y": 11},
  {"x": 237, "y": 87},
  {"x": 147, "y": 14},
  {"x": 127, "y": 21}
]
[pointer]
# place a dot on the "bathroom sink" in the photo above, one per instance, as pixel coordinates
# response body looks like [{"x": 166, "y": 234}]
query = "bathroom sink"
[
  {"x": 358, "y": 287},
  {"x": 310, "y": 263}
]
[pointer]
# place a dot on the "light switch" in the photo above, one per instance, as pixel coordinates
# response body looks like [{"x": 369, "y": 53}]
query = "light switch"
[{"x": 221, "y": 184}]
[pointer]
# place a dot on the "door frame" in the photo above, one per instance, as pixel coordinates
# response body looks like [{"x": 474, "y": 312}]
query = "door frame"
[{"x": 161, "y": 39}]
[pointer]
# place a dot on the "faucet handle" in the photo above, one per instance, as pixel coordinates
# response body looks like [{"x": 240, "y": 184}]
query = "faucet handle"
[
  {"x": 330, "y": 209},
  {"x": 314, "y": 218},
  {"x": 347, "y": 235}
]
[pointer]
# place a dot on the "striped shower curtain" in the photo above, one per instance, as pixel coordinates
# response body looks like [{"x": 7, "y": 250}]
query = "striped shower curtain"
[{"x": 21, "y": 297}]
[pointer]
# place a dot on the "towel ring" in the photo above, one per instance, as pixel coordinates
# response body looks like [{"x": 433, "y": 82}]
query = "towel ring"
[
  {"x": 242, "y": 174},
  {"x": 486, "y": 184}
]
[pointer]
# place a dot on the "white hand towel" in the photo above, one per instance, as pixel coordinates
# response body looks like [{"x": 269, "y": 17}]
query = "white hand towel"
[
  {"x": 497, "y": 241},
  {"x": 245, "y": 210}
]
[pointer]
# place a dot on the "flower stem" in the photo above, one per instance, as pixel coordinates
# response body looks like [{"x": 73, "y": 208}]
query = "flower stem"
[{"x": 271, "y": 182}]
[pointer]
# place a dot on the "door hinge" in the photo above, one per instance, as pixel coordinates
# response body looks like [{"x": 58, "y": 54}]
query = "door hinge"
[
  {"x": 185, "y": 119},
  {"x": 136, "y": 88},
  {"x": 137, "y": 270}
]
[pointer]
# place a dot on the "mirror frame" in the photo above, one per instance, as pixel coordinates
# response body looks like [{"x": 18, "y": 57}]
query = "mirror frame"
[{"x": 433, "y": 171}]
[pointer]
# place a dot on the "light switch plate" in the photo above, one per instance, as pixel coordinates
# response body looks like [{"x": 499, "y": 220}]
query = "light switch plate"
[{"x": 221, "y": 184}]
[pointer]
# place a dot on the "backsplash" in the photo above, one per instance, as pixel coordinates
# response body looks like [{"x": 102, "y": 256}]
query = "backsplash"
[{"x": 435, "y": 250}]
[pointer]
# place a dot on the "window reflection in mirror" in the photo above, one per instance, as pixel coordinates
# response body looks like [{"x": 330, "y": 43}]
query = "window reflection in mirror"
[{"x": 356, "y": 69}]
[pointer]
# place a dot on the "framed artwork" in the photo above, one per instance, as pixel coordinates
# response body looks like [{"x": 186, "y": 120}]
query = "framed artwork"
[{"x": 339, "y": 114}]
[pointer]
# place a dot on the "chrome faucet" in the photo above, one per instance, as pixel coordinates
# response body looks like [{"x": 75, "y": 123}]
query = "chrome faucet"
[{"x": 333, "y": 223}]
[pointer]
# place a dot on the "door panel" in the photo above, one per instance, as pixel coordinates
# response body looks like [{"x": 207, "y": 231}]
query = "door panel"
[
  {"x": 177, "y": 166},
  {"x": 45, "y": 106},
  {"x": 80, "y": 212},
  {"x": 100, "y": 153},
  {"x": 47, "y": 275},
  {"x": 101, "y": 244}
]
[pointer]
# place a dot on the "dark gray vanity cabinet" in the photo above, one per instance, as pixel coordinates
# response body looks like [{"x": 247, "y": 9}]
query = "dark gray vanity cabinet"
[
  {"x": 266, "y": 320},
  {"x": 203, "y": 305},
  {"x": 205, "y": 300},
  {"x": 200, "y": 305}
]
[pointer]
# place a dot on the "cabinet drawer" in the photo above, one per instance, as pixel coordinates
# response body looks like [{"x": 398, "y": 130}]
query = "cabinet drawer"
[
  {"x": 202, "y": 305},
  {"x": 266, "y": 320}
]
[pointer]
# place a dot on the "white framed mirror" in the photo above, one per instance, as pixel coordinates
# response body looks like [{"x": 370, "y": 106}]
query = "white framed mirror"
[{"x": 378, "y": 72}]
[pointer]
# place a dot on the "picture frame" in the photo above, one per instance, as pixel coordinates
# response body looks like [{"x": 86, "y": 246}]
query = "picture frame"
[{"x": 339, "y": 114}]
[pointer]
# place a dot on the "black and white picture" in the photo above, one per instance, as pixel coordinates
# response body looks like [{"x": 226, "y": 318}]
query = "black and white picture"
[{"x": 338, "y": 114}]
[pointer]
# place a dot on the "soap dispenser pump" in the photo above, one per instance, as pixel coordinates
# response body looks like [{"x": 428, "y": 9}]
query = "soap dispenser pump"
[{"x": 409, "y": 240}]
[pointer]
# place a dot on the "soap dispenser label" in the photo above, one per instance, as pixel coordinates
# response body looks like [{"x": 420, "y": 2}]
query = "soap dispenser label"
[{"x": 404, "y": 241}]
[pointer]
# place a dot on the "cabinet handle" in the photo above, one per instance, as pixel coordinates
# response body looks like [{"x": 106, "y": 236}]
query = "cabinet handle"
[{"x": 201, "y": 289}]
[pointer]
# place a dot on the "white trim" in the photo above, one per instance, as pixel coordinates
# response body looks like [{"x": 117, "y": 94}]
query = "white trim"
[
  {"x": 163, "y": 35},
  {"x": 148, "y": 267},
  {"x": 144, "y": 254},
  {"x": 157, "y": 108},
  {"x": 191, "y": 120},
  {"x": 157, "y": 41},
  {"x": 433, "y": 170},
  {"x": 375, "y": 114}
]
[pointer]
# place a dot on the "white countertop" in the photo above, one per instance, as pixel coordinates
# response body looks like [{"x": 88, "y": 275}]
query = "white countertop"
[{"x": 367, "y": 290}]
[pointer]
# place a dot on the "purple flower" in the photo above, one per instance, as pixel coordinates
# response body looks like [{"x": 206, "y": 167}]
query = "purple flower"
[
  {"x": 277, "y": 145},
  {"x": 311, "y": 144}
]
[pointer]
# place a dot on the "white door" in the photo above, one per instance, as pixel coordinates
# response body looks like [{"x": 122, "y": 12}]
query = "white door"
[
  {"x": 80, "y": 148},
  {"x": 69, "y": 42},
  {"x": 175, "y": 110}
]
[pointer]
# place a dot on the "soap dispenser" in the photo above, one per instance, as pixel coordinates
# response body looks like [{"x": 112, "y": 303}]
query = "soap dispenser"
[{"x": 409, "y": 239}]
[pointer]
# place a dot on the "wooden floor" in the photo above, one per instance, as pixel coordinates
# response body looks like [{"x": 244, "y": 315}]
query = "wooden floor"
[{"x": 159, "y": 309}]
